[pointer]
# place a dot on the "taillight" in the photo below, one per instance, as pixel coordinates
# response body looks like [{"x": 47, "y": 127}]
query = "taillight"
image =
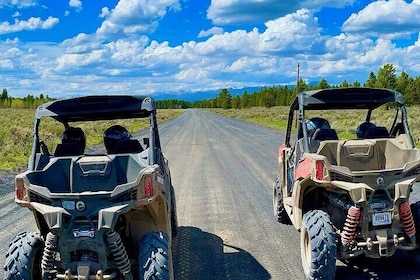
[
  {"x": 319, "y": 166},
  {"x": 148, "y": 186},
  {"x": 20, "y": 189}
]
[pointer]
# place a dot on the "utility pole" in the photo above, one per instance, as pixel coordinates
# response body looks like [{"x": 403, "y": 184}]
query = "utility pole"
[{"x": 297, "y": 82}]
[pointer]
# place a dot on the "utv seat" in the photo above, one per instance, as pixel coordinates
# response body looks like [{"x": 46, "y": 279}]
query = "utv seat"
[
  {"x": 67, "y": 149},
  {"x": 321, "y": 135},
  {"x": 325, "y": 134},
  {"x": 376, "y": 132},
  {"x": 127, "y": 146}
]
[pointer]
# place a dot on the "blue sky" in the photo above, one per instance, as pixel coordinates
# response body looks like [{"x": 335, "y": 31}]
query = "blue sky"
[{"x": 147, "y": 47}]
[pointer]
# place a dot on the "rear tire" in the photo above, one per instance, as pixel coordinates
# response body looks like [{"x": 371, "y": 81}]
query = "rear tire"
[
  {"x": 23, "y": 258},
  {"x": 414, "y": 255},
  {"x": 318, "y": 246},
  {"x": 154, "y": 257},
  {"x": 174, "y": 217},
  {"x": 415, "y": 210},
  {"x": 278, "y": 206}
]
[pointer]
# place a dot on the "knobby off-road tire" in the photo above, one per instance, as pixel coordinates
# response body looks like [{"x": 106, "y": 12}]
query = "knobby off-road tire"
[
  {"x": 154, "y": 257},
  {"x": 278, "y": 206},
  {"x": 174, "y": 217},
  {"x": 415, "y": 211},
  {"x": 318, "y": 246},
  {"x": 23, "y": 258},
  {"x": 414, "y": 255}
]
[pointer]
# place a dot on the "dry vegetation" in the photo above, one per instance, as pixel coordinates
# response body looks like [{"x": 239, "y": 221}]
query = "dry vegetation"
[
  {"x": 344, "y": 121},
  {"x": 17, "y": 127}
]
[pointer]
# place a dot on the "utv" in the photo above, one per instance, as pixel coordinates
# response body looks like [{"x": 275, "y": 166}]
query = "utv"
[
  {"x": 348, "y": 197},
  {"x": 108, "y": 215}
]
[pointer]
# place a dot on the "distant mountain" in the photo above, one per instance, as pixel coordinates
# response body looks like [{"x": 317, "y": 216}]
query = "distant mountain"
[
  {"x": 186, "y": 95},
  {"x": 201, "y": 95}
]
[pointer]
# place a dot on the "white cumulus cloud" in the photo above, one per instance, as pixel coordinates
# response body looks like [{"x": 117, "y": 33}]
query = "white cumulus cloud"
[
  {"x": 134, "y": 16},
  {"x": 75, "y": 3},
  {"x": 212, "y": 31},
  {"x": 223, "y": 12},
  {"x": 395, "y": 18},
  {"x": 18, "y": 3},
  {"x": 139, "y": 61},
  {"x": 30, "y": 24}
]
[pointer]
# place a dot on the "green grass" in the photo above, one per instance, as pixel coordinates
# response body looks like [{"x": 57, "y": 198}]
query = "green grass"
[
  {"x": 16, "y": 127},
  {"x": 343, "y": 121}
]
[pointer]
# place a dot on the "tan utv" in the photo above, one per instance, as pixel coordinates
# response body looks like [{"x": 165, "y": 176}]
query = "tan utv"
[
  {"x": 99, "y": 214},
  {"x": 348, "y": 197}
]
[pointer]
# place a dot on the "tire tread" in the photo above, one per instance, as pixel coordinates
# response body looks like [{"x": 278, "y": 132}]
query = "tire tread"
[
  {"x": 153, "y": 256},
  {"x": 323, "y": 245},
  {"x": 20, "y": 256}
]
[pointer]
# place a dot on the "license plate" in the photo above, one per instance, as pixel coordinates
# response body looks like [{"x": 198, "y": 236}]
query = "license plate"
[{"x": 380, "y": 219}]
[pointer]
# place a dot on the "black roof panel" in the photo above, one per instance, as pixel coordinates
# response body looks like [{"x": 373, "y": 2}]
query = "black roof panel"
[
  {"x": 98, "y": 107},
  {"x": 346, "y": 98}
]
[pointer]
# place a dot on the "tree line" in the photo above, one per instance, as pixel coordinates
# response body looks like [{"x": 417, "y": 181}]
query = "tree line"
[
  {"x": 29, "y": 101},
  {"x": 386, "y": 77},
  {"x": 268, "y": 96}
]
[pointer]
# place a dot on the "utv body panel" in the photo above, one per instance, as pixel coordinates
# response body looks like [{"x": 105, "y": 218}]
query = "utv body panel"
[
  {"x": 98, "y": 215},
  {"x": 361, "y": 187}
]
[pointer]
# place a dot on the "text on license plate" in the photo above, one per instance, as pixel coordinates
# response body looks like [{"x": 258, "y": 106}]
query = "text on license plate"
[{"x": 380, "y": 219}]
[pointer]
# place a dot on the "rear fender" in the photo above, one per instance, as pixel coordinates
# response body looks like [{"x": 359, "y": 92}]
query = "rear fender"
[
  {"x": 152, "y": 217},
  {"x": 403, "y": 188},
  {"x": 301, "y": 187},
  {"x": 53, "y": 216},
  {"x": 108, "y": 217},
  {"x": 356, "y": 191},
  {"x": 158, "y": 210},
  {"x": 307, "y": 179}
]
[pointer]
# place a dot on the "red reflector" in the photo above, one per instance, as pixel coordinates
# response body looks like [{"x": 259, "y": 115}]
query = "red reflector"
[
  {"x": 319, "y": 170},
  {"x": 20, "y": 189},
  {"x": 148, "y": 188}
]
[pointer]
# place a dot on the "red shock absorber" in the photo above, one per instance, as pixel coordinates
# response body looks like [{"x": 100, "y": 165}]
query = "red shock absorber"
[
  {"x": 350, "y": 225},
  {"x": 406, "y": 219}
]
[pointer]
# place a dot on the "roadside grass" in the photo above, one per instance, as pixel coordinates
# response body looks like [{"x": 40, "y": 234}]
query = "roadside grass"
[
  {"x": 343, "y": 121},
  {"x": 16, "y": 133},
  {"x": 16, "y": 127}
]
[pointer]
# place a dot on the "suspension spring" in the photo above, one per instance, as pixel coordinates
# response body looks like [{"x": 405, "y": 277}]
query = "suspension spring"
[
  {"x": 407, "y": 219},
  {"x": 48, "y": 256},
  {"x": 117, "y": 248},
  {"x": 350, "y": 225}
]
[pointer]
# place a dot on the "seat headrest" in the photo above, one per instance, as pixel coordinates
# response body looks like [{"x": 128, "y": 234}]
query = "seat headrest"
[
  {"x": 67, "y": 149},
  {"x": 127, "y": 146},
  {"x": 376, "y": 132},
  {"x": 325, "y": 134}
]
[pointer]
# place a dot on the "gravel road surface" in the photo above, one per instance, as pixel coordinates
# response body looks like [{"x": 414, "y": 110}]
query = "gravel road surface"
[{"x": 223, "y": 170}]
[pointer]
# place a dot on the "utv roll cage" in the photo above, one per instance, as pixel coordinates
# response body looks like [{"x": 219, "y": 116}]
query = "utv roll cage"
[
  {"x": 346, "y": 98},
  {"x": 96, "y": 108}
]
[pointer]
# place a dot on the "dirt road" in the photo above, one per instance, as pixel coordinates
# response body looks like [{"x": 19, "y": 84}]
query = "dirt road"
[{"x": 222, "y": 171}]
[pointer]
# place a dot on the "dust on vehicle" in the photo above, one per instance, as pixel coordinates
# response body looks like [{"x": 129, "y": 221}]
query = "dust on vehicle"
[
  {"x": 348, "y": 197},
  {"x": 106, "y": 215}
]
